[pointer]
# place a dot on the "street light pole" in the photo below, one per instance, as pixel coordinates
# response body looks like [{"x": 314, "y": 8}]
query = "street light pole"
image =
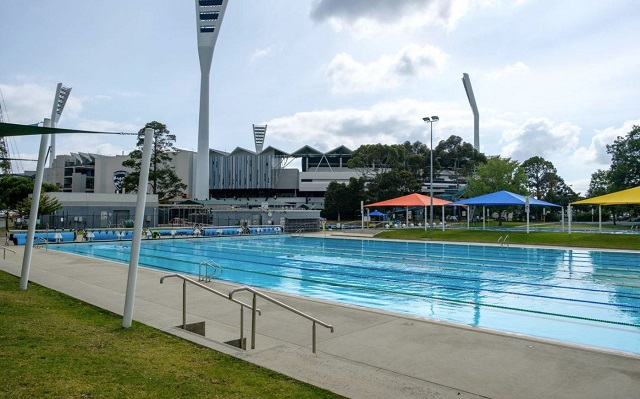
[{"x": 430, "y": 121}]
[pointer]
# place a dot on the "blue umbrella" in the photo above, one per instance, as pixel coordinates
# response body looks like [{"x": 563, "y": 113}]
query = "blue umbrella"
[{"x": 376, "y": 213}]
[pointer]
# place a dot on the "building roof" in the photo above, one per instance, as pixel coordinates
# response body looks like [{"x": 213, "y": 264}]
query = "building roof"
[{"x": 306, "y": 151}]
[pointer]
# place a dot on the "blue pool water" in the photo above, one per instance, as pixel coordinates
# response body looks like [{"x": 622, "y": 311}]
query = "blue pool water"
[{"x": 575, "y": 295}]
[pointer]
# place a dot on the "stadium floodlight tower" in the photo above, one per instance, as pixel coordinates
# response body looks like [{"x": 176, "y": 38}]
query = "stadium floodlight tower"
[
  {"x": 209, "y": 14},
  {"x": 62, "y": 94},
  {"x": 259, "y": 133},
  {"x": 476, "y": 116}
]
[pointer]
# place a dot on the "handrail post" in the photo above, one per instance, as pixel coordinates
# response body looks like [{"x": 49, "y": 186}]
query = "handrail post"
[
  {"x": 184, "y": 304},
  {"x": 313, "y": 334},
  {"x": 242, "y": 344},
  {"x": 253, "y": 322}
]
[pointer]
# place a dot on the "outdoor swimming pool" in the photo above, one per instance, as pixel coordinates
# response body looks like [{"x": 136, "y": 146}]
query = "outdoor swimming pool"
[{"x": 574, "y": 295}]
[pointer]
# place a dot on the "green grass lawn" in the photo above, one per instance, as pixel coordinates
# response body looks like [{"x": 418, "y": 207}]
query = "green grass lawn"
[
  {"x": 54, "y": 346},
  {"x": 587, "y": 240}
]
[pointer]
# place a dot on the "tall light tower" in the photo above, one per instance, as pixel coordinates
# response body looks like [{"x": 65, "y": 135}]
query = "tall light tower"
[
  {"x": 209, "y": 14},
  {"x": 466, "y": 82},
  {"x": 59, "y": 101}
]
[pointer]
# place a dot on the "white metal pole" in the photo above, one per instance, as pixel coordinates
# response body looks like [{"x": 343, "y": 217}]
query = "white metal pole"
[
  {"x": 484, "y": 216},
  {"x": 431, "y": 180},
  {"x": 599, "y": 218},
  {"x": 569, "y": 217},
  {"x": 468, "y": 216},
  {"x": 425, "y": 218},
  {"x": 442, "y": 217},
  {"x": 562, "y": 217},
  {"x": 362, "y": 214},
  {"x": 35, "y": 202},
  {"x": 137, "y": 228}
]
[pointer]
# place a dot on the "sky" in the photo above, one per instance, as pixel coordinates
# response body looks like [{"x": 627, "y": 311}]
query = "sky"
[{"x": 556, "y": 79}]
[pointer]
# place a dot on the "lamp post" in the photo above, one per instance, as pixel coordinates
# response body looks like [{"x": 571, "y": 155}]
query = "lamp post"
[{"x": 430, "y": 121}]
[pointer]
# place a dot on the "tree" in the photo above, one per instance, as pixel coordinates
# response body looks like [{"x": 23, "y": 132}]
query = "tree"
[
  {"x": 14, "y": 189},
  {"x": 496, "y": 175},
  {"x": 417, "y": 159},
  {"x": 373, "y": 159},
  {"x": 600, "y": 183},
  {"x": 46, "y": 206},
  {"x": 625, "y": 160},
  {"x": 5, "y": 163},
  {"x": 455, "y": 155},
  {"x": 541, "y": 176},
  {"x": 392, "y": 184},
  {"x": 343, "y": 200},
  {"x": 163, "y": 179}
]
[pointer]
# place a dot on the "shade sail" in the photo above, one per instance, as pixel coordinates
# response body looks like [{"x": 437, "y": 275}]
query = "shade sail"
[
  {"x": 502, "y": 198},
  {"x": 376, "y": 213},
  {"x": 12, "y": 129},
  {"x": 414, "y": 199},
  {"x": 629, "y": 196}
]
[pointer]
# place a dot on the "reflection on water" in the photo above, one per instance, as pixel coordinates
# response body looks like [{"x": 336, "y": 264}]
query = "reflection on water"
[{"x": 579, "y": 296}]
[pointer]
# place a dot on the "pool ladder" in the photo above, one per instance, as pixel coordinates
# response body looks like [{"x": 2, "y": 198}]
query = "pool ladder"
[
  {"x": 503, "y": 242},
  {"x": 38, "y": 241},
  {"x": 253, "y": 307},
  {"x": 210, "y": 268},
  {"x": 298, "y": 233}
]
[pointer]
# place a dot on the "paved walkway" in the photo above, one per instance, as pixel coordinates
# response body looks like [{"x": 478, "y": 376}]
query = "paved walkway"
[{"x": 371, "y": 354}]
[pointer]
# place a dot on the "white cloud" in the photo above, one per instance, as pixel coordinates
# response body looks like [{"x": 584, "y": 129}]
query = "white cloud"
[
  {"x": 597, "y": 151},
  {"x": 385, "y": 122},
  {"x": 263, "y": 52},
  {"x": 517, "y": 69},
  {"x": 364, "y": 18},
  {"x": 350, "y": 76},
  {"x": 540, "y": 137},
  {"x": 26, "y": 103}
]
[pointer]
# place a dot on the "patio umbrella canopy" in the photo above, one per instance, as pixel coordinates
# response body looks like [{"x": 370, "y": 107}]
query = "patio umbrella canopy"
[{"x": 376, "y": 213}]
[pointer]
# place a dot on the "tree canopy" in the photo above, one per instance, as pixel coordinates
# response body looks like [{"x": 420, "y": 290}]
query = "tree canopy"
[
  {"x": 163, "y": 179},
  {"x": 14, "y": 189},
  {"x": 625, "y": 161},
  {"x": 454, "y": 155},
  {"x": 496, "y": 175}
]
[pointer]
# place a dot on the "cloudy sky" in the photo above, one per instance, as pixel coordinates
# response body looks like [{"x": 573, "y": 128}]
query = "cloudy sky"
[{"x": 557, "y": 79}]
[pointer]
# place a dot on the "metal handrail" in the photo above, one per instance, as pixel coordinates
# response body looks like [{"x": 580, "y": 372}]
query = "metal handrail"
[
  {"x": 273, "y": 300},
  {"x": 186, "y": 280},
  {"x": 503, "y": 242},
  {"x": 208, "y": 264},
  {"x": 5, "y": 249},
  {"x": 42, "y": 240},
  {"x": 298, "y": 232}
]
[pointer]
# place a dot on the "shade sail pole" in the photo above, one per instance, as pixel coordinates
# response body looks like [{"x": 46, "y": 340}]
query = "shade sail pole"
[
  {"x": 442, "y": 217},
  {"x": 599, "y": 218},
  {"x": 35, "y": 202},
  {"x": 484, "y": 216},
  {"x": 137, "y": 228},
  {"x": 425, "y": 218},
  {"x": 569, "y": 217}
]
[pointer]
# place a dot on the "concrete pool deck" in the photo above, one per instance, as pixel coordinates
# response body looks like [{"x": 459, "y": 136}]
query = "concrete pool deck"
[{"x": 371, "y": 354}]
